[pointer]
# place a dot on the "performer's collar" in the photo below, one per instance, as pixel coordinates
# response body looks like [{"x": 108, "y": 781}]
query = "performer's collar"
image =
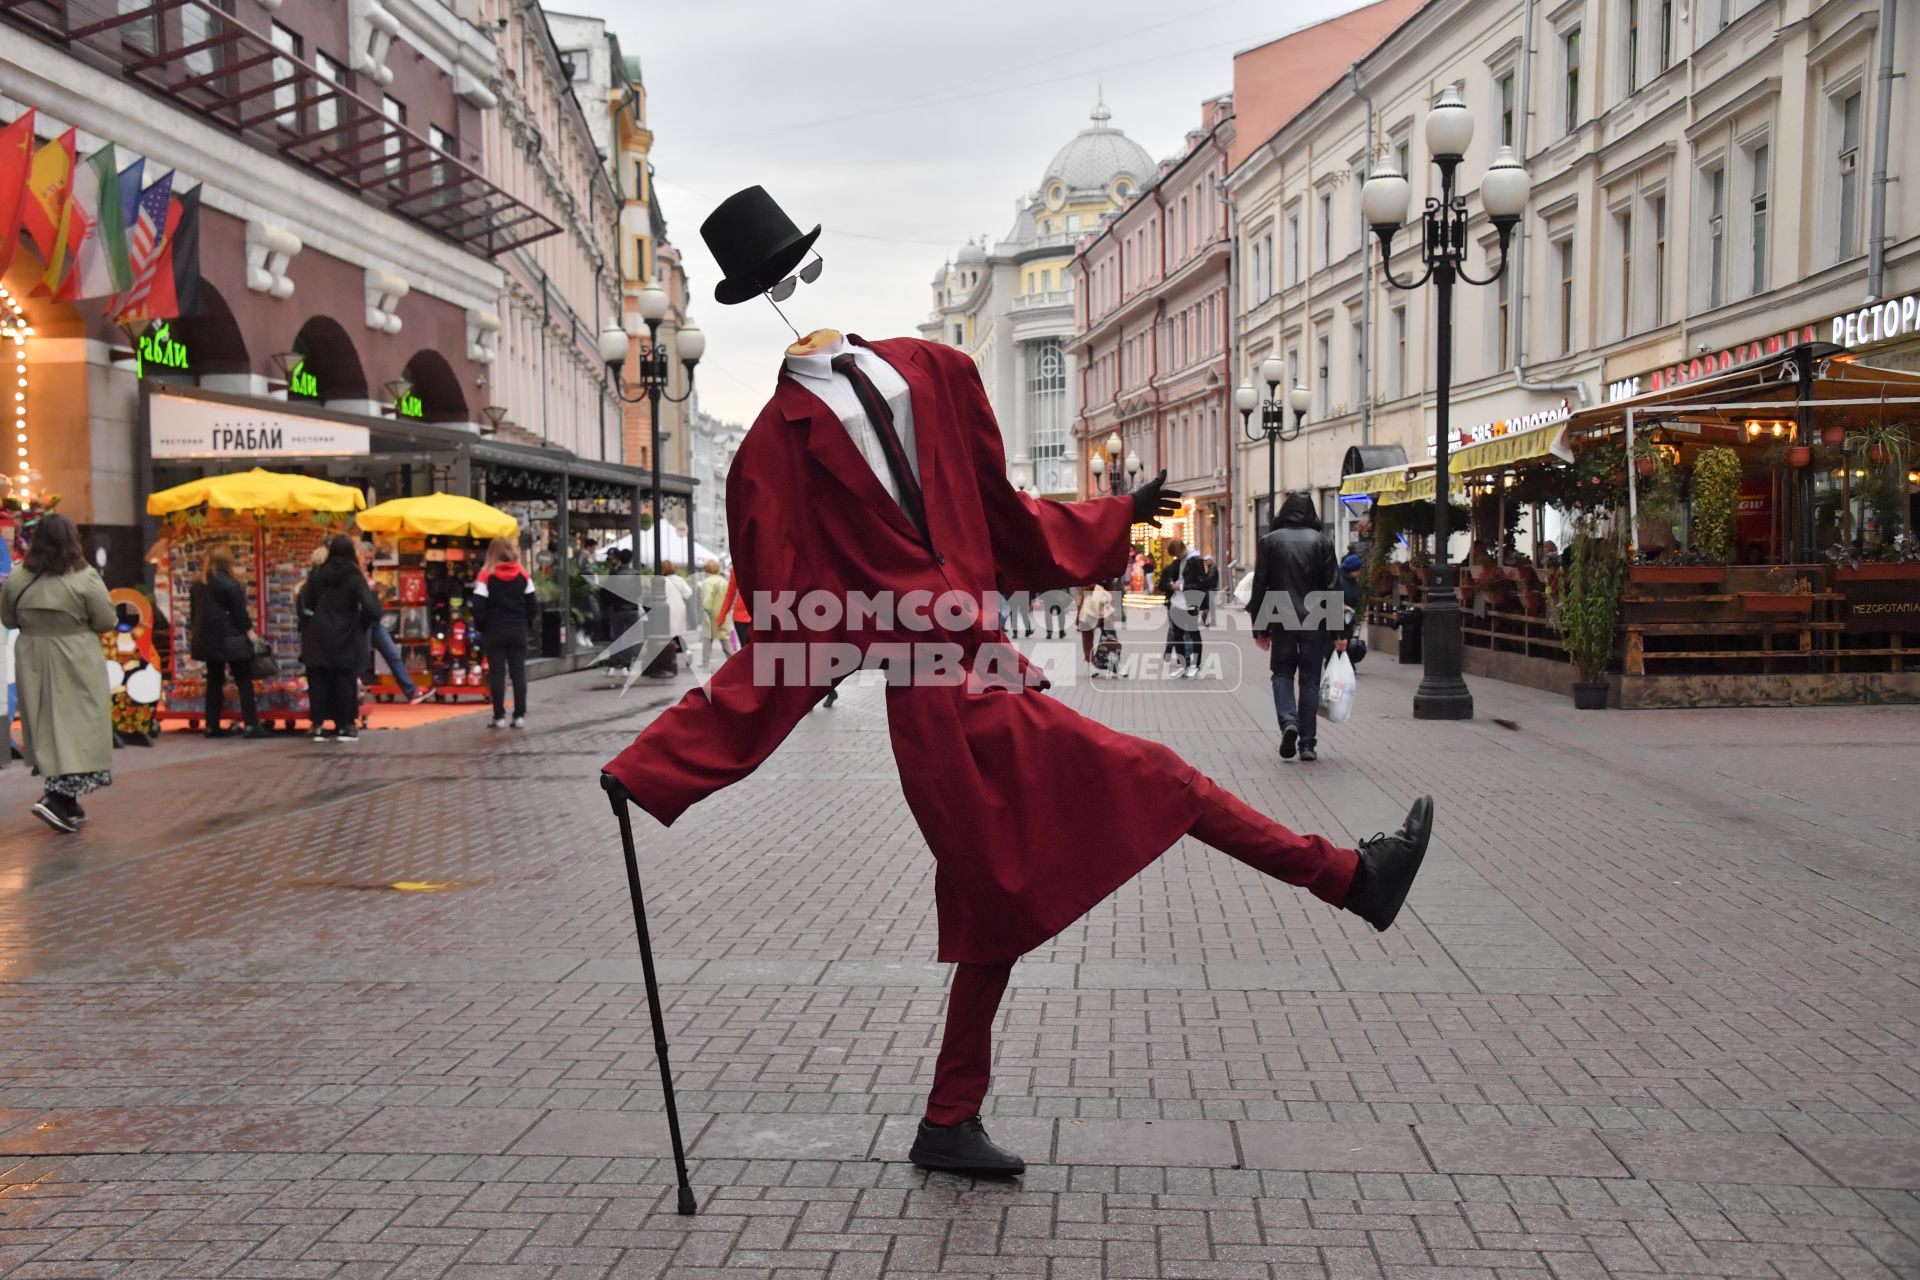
[{"x": 817, "y": 364}]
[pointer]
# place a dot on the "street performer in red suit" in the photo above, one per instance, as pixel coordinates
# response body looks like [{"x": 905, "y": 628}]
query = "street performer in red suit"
[{"x": 877, "y": 472}]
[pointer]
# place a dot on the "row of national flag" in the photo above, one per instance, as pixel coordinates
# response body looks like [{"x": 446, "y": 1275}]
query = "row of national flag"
[{"x": 103, "y": 231}]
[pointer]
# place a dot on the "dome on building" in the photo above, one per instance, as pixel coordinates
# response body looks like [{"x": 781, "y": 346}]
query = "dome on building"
[
  {"x": 1098, "y": 155},
  {"x": 971, "y": 254},
  {"x": 940, "y": 276}
]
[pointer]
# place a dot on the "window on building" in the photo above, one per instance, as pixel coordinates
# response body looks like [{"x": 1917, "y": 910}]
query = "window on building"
[
  {"x": 1658, "y": 208},
  {"x": 199, "y": 29},
  {"x": 1847, "y": 120},
  {"x": 1322, "y": 373},
  {"x": 1293, "y": 372},
  {"x": 1046, "y": 404},
  {"x": 286, "y": 98},
  {"x": 1757, "y": 217},
  {"x": 1632, "y": 35},
  {"x": 1563, "y": 253},
  {"x": 1713, "y": 193},
  {"x": 1397, "y": 374},
  {"x": 1666, "y": 33},
  {"x": 1504, "y": 92},
  {"x": 1503, "y": 321},
  {"x": 395, "y": 111},
  {"x": 1357, "y": 337},
  {"x": 440, "y": 175},
  {"x": 140, "y": 32},
  {"x": 326, "y": 109},
  {"x": 1293, "y": 248},
  {"x": 1570, "y": 80},
  {"x": 1623, "y": 236},
  {"x": 958, "y": 338},
  {"x": 1323, "y": 250},
  {"x": 1359, "y": 212},
  {"x": 1403, "y": 158}
]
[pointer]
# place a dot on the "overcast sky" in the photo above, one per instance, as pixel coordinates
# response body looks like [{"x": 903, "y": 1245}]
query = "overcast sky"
[{"x": 904, "y": 128}]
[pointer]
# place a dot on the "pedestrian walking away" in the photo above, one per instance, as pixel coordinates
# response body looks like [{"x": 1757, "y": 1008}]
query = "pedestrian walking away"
[
  {"x": 506, "y": 609},
  {"x": 713, "y": 593},
  {"x": 983, "y": 761},
  {"x": 733, "y": 607},
  {"x": 220, "y": 635},
  {"x": 1209, "y": 589},
  {"x": 338, "y": 611},
  {"x": 1298, "y": 613},
  {"x": 1096, "y": 607},
  {"x": 61, "y": 608}
]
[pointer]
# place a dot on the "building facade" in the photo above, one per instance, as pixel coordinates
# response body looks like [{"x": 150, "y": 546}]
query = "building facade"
[
  {"x": 1152, "y": 317},
  {"x": 1704, "y": 180},
  {"x": 1010, "y": 305}
]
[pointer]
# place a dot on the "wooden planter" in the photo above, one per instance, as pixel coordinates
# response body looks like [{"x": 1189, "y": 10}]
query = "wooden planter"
[
  {"x": 1776, "y": 602},
  {"x": 1590, "y": 695},
  {"x": 1687, "y": 573},
  {"x": 1893, "y": 572}
]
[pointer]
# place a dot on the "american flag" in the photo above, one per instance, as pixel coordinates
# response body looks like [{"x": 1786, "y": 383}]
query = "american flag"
[{"x": 145, "y": 242}]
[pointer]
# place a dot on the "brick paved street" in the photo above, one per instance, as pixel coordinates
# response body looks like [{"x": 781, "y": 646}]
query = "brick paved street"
[{"x": 1652, "y": 1010}]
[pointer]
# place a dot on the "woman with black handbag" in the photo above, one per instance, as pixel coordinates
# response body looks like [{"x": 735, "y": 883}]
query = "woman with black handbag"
[{"x": 222, "y": 637}]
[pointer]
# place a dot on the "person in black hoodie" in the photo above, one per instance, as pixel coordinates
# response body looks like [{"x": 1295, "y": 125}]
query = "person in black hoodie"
[
  {"x": 336, "y": 609},
  {"x": 1298, "y": 617},
  {"x": 506, "y": 609},
  {"x": 221, "y": 635}
]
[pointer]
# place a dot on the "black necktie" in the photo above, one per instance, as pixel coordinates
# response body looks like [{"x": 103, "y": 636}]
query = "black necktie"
[{"x": 874, "y": 405}]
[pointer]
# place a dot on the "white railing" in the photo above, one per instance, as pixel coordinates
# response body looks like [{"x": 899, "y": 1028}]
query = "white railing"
[{"x": 1043, "y": 298}]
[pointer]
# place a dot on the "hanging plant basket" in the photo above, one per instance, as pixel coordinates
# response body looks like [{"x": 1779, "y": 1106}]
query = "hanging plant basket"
[
  {"x": 1799, "y": 456},
  {"x": 1647, "y": 467},
  {"x": 1834, "y": 435},
  {"x": 1877, "y": 454}
]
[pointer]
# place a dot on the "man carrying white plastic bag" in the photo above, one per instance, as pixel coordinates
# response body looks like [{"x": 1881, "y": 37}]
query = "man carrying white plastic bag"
[{"x": 1299, "y": 619}]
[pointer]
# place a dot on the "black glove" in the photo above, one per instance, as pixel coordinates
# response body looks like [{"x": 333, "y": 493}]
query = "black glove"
[{"x": 1154, "y": 501}]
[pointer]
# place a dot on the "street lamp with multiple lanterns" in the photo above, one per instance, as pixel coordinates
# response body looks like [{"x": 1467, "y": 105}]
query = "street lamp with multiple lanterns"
[
  {"x": 1110, "y": 476},
  {"x": 1385, "y": 201},
  {"x": 653, "y": 358},
  {"x": 1273, "y": 420}
]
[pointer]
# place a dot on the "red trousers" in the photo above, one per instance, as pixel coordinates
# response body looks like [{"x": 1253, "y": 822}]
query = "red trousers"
[{"x": 965, "y": 1066}]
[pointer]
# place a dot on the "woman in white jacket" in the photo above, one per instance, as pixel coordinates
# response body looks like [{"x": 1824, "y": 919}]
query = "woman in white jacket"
[{"x": 679, "y": 593}]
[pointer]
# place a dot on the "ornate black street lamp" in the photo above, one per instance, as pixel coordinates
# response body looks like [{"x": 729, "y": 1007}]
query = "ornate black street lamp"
[
  {"x": 1385, "y": 200},
  {"x": 1109, "y": 476},
  {"x": 1273, "y": 422},
  {"x": 653, "y": 358}
]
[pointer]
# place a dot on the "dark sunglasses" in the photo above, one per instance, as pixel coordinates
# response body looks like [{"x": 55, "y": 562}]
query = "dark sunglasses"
[{"x": 809, "y": 273}]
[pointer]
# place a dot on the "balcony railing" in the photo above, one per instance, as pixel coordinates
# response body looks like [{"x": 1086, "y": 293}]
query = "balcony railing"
[
  {"x": 1043, "y": 298},
  {"x": 203, "y": 59}
]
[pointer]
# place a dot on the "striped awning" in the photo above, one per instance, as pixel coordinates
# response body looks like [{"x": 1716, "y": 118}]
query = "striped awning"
[{"x": 1375, "y": 484}]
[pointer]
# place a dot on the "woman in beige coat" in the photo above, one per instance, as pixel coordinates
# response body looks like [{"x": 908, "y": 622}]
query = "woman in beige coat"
[{"x": 61, "y": 607}]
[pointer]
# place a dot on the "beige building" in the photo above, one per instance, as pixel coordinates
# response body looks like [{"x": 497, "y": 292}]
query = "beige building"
[{"x": 1706, "y": 177}]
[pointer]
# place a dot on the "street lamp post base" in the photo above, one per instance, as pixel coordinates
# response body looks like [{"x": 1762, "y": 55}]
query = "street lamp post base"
[{"x": 1442, "y": 695}]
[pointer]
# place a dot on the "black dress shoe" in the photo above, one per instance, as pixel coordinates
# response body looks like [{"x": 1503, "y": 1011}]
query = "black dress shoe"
[
  {"x": 963, "y": 1148},
  {"x": 217, "y": 733},
  {"x": 1289, "y": 740},
  {"x": 1388, "y": 864},
  {"x": 1308, "y": 755},
  {"x": 255, "y": 731}
]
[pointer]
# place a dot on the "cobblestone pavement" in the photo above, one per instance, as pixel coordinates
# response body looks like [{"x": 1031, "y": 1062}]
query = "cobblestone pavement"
[{"x": 1652, "y": 1010}]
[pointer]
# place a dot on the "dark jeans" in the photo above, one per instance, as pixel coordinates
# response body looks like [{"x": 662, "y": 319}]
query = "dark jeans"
[
  {"x": 507, "y": 656},
  {"x": 1299, "y": 655},
  {"x": 1183, "y": 635},
  {"x": 333, "y": 694},
  {"x": 217, "y": 691}
]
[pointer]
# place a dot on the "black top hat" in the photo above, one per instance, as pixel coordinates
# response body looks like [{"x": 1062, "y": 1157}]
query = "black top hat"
[{"x": 755, "y": 243}]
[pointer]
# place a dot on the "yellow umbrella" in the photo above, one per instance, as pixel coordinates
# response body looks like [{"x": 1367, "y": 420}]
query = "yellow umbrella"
[
  {"x": 257, "y": 490},
  {"x": 447, "y": 515}
]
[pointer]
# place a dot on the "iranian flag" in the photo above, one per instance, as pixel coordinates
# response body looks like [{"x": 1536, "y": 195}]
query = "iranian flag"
[{"x": 100, "y": 263}]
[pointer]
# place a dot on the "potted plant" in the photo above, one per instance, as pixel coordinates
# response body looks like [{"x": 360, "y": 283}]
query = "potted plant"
[
  {"x": 1716, "y": 499},
  {"x": 1895, "y": 561},
  {"x": 1785, "y": 593},
  {"x": 1881, "y": 445},
  {"x": 1584, "y": 606},
  {"x": 1833, "y": 434},
  {"x": 1692, "y": 567}
]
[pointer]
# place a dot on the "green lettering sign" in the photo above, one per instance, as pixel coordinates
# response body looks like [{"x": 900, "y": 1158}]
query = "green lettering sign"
[
  {"x": 158, "y": 348},
  {"x": 303, "y": 384},
  {"x": 410, "y": 406}
]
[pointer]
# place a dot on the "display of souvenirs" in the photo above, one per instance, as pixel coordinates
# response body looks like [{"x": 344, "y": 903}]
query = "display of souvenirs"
[
  {"x": 425, "y": 598},
  {"x": 133, "y": 666}
]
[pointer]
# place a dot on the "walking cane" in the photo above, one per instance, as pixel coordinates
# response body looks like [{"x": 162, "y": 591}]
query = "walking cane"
[{"x": 619, "y": 797}]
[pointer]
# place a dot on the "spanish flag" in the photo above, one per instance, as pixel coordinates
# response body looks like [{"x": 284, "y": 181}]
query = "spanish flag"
[{"x": 49, "y": 181}]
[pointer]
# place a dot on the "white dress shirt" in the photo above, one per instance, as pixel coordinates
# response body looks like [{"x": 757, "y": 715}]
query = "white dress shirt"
[{"x": 815, "y": 373}]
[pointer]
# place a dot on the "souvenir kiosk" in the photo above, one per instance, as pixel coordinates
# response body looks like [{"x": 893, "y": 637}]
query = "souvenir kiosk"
[
  {"x": 274, "y": 521},
  {"x": 427, "y": 551}
]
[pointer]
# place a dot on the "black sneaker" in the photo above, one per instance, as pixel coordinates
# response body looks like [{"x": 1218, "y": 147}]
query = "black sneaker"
[
  {"x": 1308, "y": 755},
  {"x": 1388, "y": 864},
  {"x": 56, "y": 812},
  {"x": 348, "y": 736},
  {"x": 963, "y": 1148},
  {"x": 255, "y": 731},
  {"x": 1289, "y": 740}
]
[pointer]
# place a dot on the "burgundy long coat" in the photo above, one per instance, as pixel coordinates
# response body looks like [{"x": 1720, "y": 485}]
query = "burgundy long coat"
[{"x": 1033, "y": 812}]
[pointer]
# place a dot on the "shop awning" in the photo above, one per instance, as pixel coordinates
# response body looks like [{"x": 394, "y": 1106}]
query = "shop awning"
[
  {"x": 1374, "y": 484},
  {"x": 209, "y": 62},
  {"x": 1505, "y": 451},
  {"x": 257, "y": 490},
  {"x": 447, "y": 515}
]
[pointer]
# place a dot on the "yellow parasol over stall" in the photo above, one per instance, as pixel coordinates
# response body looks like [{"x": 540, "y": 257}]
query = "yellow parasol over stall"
[
  {"x": 446, "y": 515},
  {"x": 257, "y": 490}
]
